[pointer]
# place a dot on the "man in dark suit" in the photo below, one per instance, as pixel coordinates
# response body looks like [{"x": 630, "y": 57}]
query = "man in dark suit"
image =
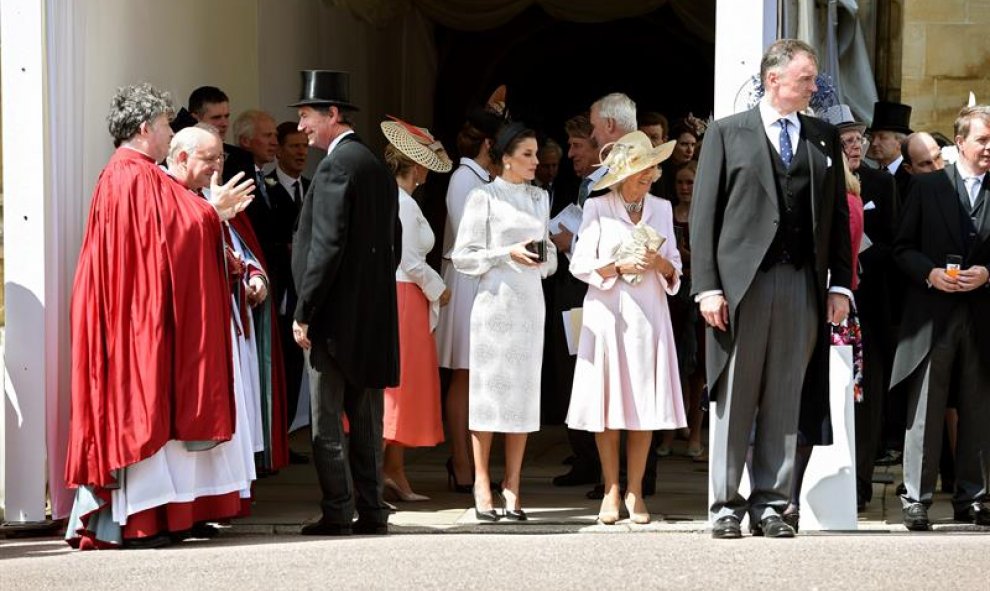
[
  {"x": 568, "y": 292},
  {"x": 769, "y": 222},
  {"x": 890, "y": 126},
  {"x": 943, "y": 245},
  {"x": 873, "y": 298},
  {"x": 344, "y": 256},
  {"x": 254, "y": 132},
  {"x": 286, "y": 186},
  {"x": 209, "y": 104}
]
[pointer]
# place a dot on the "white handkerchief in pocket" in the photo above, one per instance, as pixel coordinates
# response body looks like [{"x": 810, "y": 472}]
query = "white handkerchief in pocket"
[{"x": 869, "y": 205}]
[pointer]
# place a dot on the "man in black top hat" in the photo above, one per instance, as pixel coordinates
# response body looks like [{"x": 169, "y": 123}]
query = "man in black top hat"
[
  {"x": 345, "y": 252},
  {"x": 891, "y": 126}
]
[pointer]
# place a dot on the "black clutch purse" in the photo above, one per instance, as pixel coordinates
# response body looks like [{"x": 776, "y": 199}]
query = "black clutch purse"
[{"x": 539, "y": 248}]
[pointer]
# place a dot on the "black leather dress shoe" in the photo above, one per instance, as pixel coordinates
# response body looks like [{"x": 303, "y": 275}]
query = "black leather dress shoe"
[
  {"x": 977, "y": 514},
  {"x": 325, "y": 528},
  {"x": 773, "y": 526},
  {"x": 916, "y": 517},
  {"x": 369, "y": 528},
  {"x": 726, "y": 528},
  {"x": 576, "y": 477},
  {"x": 792, "y": 519}
]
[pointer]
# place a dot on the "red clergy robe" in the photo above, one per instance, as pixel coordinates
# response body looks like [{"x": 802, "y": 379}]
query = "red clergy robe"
[
  {"x": 150, "y": 320},
  {"x": 274, "y": 373}
]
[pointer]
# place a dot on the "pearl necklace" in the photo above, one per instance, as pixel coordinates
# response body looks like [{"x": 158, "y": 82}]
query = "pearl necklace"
[{"x": 635, "y": 206}]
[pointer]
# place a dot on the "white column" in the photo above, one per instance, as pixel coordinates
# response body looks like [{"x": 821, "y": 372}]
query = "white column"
[
  {"x": 743, "y": 30},
  {"x": 25, "y": 168}
]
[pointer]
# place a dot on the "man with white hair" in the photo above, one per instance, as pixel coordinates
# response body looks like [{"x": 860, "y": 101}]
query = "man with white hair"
[
  {"x": 193, "y": 159},
  {"x": 612, "y": 116}
]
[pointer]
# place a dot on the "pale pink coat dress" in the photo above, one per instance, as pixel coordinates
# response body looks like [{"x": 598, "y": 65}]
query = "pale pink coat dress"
[{"x": 626, "y": 374}]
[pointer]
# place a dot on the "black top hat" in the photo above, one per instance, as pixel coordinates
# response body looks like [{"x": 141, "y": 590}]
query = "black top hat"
[
  {"x": 325, "y": 87},
  {"x": 888, "y": 116}
]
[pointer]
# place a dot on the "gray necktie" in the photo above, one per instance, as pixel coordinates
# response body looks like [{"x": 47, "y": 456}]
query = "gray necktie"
[
  {"x": 259, "y": 181},
  {"x": 973, "y": 188},
  {"x": 584, "y": 189}
]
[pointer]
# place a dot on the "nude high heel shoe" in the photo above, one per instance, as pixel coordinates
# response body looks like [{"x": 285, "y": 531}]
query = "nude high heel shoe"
[
  {"x": 607, "y": 515},
  {"x": 638, "y": 518},
  {"x": 408, "y": 497}
]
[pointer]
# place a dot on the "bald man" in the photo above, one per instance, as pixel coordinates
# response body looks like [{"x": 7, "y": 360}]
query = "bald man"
[{"x": 921, "y": 153}]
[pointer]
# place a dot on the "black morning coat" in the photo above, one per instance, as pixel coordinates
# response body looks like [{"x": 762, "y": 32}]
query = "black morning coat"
[
  {"x": 345, "y": 252},
  {"x": 935, "y": 224}
]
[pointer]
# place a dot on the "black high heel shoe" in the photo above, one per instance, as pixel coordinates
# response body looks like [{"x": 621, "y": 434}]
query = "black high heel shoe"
[
  {"x": 490, "y": 515},
  {"x": 510, "y": 514},
  {"x": 452, "y": 483}
]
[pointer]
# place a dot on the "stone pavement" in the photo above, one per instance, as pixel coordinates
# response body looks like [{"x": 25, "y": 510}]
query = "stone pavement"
[{"x": 290, "y": 498}]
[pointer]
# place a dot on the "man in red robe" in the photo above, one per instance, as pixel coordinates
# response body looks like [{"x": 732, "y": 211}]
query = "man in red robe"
[
  {"x": 194, "y": 157},
  {"x": 150, "y": 347}
]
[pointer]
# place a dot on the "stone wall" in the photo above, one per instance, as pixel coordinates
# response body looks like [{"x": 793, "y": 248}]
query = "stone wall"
[{"x": 946, "y": 54}]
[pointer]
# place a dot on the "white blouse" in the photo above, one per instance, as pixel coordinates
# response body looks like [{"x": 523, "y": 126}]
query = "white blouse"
[{"x": 417, "y": 242}]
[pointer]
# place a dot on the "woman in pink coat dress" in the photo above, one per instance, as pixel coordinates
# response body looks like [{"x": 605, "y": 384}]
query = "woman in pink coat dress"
[{"x": 626, "y": 375}]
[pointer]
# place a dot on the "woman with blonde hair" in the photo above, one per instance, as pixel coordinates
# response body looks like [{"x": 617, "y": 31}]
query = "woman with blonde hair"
[
  {"x": 412, "y": 416},
  {"x": 626, "y": 377}
]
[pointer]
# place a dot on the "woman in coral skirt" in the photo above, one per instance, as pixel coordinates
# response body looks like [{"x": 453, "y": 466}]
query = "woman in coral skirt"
[{"x": 412, "y": 409}]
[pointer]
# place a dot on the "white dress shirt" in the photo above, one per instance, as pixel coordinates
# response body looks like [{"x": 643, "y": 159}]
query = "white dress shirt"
[
  {"x": 771, "y": 126},
  {"x": 972, "y": 181},
  {"x": 893, "y": 166},
  {"x": 337, "y": 139},
  {"x": 288, "y": 182}
]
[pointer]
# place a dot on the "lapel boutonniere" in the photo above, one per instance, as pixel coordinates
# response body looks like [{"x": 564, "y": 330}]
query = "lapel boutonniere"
[{"x": 270, "y": 181}]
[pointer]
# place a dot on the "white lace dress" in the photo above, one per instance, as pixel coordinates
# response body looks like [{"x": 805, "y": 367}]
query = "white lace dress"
[{"x": 506, "y": 347}]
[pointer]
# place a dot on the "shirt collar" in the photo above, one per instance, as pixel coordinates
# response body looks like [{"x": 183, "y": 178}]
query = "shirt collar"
[
  {"x": 285, "y": 180},
  {"x": 477, "y": 168},
  {"x": 770, "y": 115},
  {"x": 893, "y": 166},
  {"x": 337, "y": 139},
  {"x": 965, "y": 173},
  {"x": 597, "y": 174}
]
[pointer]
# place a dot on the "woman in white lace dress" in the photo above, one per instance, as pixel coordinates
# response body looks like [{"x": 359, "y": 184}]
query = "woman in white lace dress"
[
  {"x": 503, "y": 223},
  {"x": 474, "y": 143}
]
